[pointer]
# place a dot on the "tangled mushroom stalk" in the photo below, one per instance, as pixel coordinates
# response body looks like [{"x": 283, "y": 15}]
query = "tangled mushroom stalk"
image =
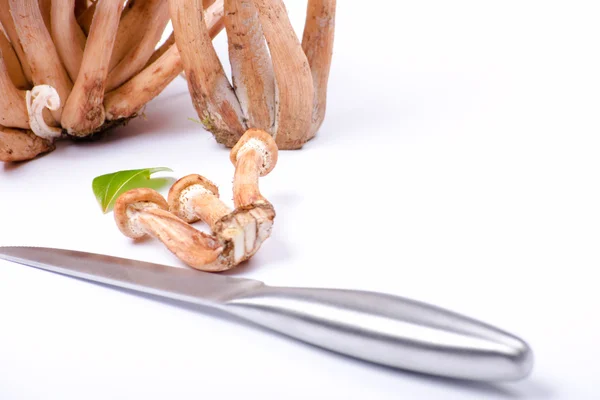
[
  {"x": 236, "y": 234},
  {"x": 279, "y": 84},
  {"x": 73, "y": 68}
]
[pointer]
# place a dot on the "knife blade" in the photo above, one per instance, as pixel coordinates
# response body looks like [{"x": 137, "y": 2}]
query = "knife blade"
[{"x": 380, "y": 328}]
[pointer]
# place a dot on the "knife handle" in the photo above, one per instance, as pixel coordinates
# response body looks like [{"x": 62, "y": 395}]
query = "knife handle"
[{"x": 388, "y": 330}]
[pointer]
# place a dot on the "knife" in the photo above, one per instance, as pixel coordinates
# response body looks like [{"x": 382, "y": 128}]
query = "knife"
[{"x": 375, "y": 327}]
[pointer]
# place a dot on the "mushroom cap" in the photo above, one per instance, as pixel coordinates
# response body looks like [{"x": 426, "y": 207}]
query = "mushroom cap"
[
  {"x": 263, "y": 143},
  {"x": 178, "y": 195},
  {"x": 140, "y": 198}
]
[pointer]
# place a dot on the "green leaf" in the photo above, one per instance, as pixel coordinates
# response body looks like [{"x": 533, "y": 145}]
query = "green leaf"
[{"x": 107, "y": 188}]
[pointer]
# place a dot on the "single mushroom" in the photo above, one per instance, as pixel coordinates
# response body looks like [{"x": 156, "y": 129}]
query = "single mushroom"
[
  {"x": 194, "y": 198},
  {"x": 254, "y": 156},
  {"x": 142, "y": 212}
]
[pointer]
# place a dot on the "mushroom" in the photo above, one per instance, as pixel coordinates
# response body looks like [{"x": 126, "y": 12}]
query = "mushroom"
[
  {"x": 142, "y": 212},
  {"x": 75, "y": 68},
  {"x": 279, "y": 84},
  {"x": 255, "y": 155},
  {"x": 194, "y": 198}
]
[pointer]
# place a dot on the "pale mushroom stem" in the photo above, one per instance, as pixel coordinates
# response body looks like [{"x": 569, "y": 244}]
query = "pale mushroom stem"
[
  {"x": 13, "y": 65},
  {"x": 21, "y": 145},
  {"x": 212, "y": 94},
  {"x": 294, "y": 86},
  {"x": 163, "y": 67},
  {"x": 156, "y": 17},
  {"x": 210, "y": 209},
  {"x": 84, "y": 112},
  {"x": 13, "y": 111},
  {"x": 136, "y": 23},
  {"x": 317, "y": 44},
  {"x": 251, "y": 67},
  {"x": 193, "y": 247},
  {"x": 40, "y": 52},
  {"x": 68, "y": 36},
  {"x": 143, "y": 211},
  {"x": 245, "y": 180},
  {"x": 129, "y": 98},
  {"x": 9, "y": 27}
]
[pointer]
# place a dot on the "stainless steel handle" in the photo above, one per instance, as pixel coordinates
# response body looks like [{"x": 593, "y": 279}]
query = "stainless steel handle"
[{"x": 388, "y": 330}]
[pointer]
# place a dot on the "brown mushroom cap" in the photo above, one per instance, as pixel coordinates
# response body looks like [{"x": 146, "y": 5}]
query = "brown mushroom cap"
[
  {"x": 177, "y": 194},
  {"x": 142, "y": 198},
  {"x": 268, "y": 149}
]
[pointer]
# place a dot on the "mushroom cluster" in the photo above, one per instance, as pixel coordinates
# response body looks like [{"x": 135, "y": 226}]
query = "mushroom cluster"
[
  {"x": 73, "y": 68},
  {"x": 279, "y": 84},
  {"x": 236, "y": 234}
]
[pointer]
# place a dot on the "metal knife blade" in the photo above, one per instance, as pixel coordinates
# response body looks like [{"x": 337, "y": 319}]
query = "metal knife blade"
[{"x": 380, "y": 328}]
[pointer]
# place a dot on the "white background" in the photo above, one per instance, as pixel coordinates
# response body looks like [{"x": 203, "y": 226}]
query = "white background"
[{"x": 458, "y": 165}]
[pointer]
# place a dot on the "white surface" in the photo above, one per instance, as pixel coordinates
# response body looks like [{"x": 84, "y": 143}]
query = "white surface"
[{"x": 458, "y": 165}]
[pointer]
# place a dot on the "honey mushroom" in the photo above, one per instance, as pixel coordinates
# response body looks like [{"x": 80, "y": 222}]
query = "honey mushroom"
[
  {"x": 75, "y": 68},
  {"x": 236, "y": 234}
]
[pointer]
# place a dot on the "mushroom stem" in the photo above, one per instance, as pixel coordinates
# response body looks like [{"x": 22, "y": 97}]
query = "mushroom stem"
[
  {"x": 194, "y": 198},
  {"x": 255, "y": 155},
  {"x": 68, "y": 36},
  {"x": 21, "y": 145},
  {"x": 13, "y": 65},
  {"x": 138, "y": 21},
  {"x": 212, "y": 94},
  {"x": 317, "y": 43},
  {"x": 164, "y": 66},
  {"x": 241, "y": 232},
  {"x": 251, "y": 67},
  {"x": 129, "y": 98},
  {"x": 11, "y": 31},
  {"x": 84, "y": 112},
  {"x": 39, "y": 49},
  {"x": 13, "y": 112},
  {"x": 293, "y": 79},
  {"x": 142, "y": 212},
  {"x": 155, "y": 18}
]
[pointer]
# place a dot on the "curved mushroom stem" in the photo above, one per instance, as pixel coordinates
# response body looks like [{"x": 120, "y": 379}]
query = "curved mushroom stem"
[
  {"x": 194, "y": 198},
  {"x": 11, "y": 31},
  {"x": 13, "y": 112},
  {"x": 13, "y": 65},
  {"x": 142, "y": 212},
  {"x": 21, "y": 145},
  {"x": 42, "y": 57},
  {"x": 255, "y": 155},
  {"x": 242, "y": 231},
  {"x": 84, "y": 112},
  {"x": 251, "y": 67},
  {"x": 294, "y": 86},
  {"x": 154, "y": 16},
  {"x": 212, "y": 94},
  {"x": 139, "y": 31},
  {"x": 317, "y": 43},
  {"x": 68, "y": 36},
  {"x": 164, "y": 66},
  {"x": 129, "y": 98}
]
